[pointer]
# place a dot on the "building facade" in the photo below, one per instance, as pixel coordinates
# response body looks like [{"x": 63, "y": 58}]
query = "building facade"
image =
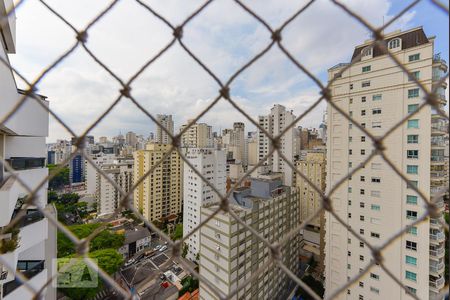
[
  {"x": 230, "y": 254},
  {"x": 161, "y": 136},
  {"x": 212, "y": 165},
  {"x": 274, "y": 123},
  {"x": 29, "y": 246},
  {"x": 198, "y": 135},
  {"x": 159, "y": 196},
  {"x": 376, "y": 202}
]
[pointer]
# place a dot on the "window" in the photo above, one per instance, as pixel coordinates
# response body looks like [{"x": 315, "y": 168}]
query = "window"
[
  {"x": 366, "y": 52},
  {"x": 362, "y": 178},
  {"x": 376, "y": 97},
  {"x": 376, "y": 124},
  {"x": 365, "y": 84},
  {"x": 374, "y": 276},
  {"x": 411, "y": 276},
  {"x": 361, "y": 204},
  {"x": 363, "y": 139},
  {"x": 411, "y": 260},
  {"x": 351, "y": 114},
  {"x": 361, "y": 284},
  {"x": 411, "y": 199},
  {"x": 349, "y": 215},
  {"x": 376, "y": 194},
  {"x": 374, "y": 290},
  {"x": 361, "y": 244},
  {"x": 363, "y": 152},
  {"x": 413, "y": 93},
  {"x": 413, "y": 139},
  {"x": 412, "y": 183},
  {"x": 414, "y": 57},
  {"x": 366, "y": 69},
  {"x": 375, "y": 166},
  {"x": 395, "y": 43},
  {"x": 349, "y": 253},
  {"x": 349, "y": 266},
  {"x": 413, "y": 123},
  {"x": 349, "y": 189},
  {"x": 350, "y": 126},
  {"x": 414, "y": 75},
  {"x": 411, "y": 290},
  {"x": 350, "y": 151},
  {"x": 376, "y": 111},
  {"x": 351, "y": 86},
  {"x": 363, "y": 125},
  {"x": 350, "y": 164},
  {"x": 376, "y": 179},
  {"x": 363, "y": 112},
  {"x": 375, "y": 207},
  {"x": 412, "y": 230},
  {"x": 414, "y": 154},
  {"x": 361, "y": 257},
  {"x": 412, "y": 108},
  {"x": 350, "y": 139},
  {"x": 412, "y": 215},
  {"x": 351, "y": 100},
  {"x": 375, "y": 235},
  {"x": 411, "y": 245},
  {"x": 363, "y": 99},
  {"x": 361, "y": 297},
  {"x": 412, "y": 169},
  {"x": 361, "y": 191}
]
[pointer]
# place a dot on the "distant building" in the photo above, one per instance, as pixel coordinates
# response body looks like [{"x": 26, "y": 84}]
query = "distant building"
[
  {"x": 51, "y": 157},
  {"x": 198, "y": 135},
  {"x": 159, "y": 196},
  {"x": 211, "y": 164},
  {"x": 274, "y": 123},
  {"x": 229, "y": 253},
  {"x": 161, "y": 136},
  {"x": 76, "y": 167}
]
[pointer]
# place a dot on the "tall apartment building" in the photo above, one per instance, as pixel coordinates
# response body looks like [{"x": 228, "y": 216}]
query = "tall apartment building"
[
  {"x": 131, "y": 139},
  {"x": 274, "y": 123},
  {"x": 159, "y": 196},
  {"x": 198, "y": 135},
  {"x": 106, "y": 195},
  {"x": 30, "y": 245},
  {"x": 312, "y": 164},
  {"x": 230, "y": 254},
  {"x": 376, "y": 202},
  {"x": 212, "y": 165},
  {"x": 234, "y": 141},
  {"x": 161, "y": 136}
]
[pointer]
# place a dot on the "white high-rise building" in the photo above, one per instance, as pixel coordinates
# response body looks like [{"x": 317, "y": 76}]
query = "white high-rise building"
[
  {"x": 212, "y": 165},
  {"x": 376, "y": 202},
  {"x": 198, "y": 135},
  {"x": 274, "y": 123},
  {"x": 28, "y": 246},
  {"x": 161, "y": 136}
]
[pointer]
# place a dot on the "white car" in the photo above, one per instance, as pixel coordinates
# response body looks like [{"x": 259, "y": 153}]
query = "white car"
[
  {"x": 157, "y": 247},
  {"x": 163, "y": 248},
  {"x": 130, "y": 262}
]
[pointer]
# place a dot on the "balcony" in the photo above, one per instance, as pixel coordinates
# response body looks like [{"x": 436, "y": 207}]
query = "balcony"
[
  {"x": 437, "y": 143},
  {"x": 437, "y": 268},
  {"x": 26, "y": 163},
  {"x": 437, "y": 283},
  {"x": 439, "y": 129},
  {"x": 437, "y": 253},
  {"x": 437, "y": 190},
  {"x": 437, "y": 236},
  {"x": 437, "y": 60},
  {"x": 30, "y": 273},
  {"x": 438, "y": 174},
  {"x": 437, "y": 158},
  {"x": 436, "y": 222}
]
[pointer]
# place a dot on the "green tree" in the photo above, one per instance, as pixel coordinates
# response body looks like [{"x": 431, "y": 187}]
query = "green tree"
[
  {"x": 178, "y": 232},
  {"x": 109, "y": 260},
  {"x": 189, "y": 284},
  {"x": 185, "y": 250},
  {"x": 69, "y": 198},
  {"x": 61, "y": 178}
]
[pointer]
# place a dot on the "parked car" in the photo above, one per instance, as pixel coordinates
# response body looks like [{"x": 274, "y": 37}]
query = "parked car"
[
  {"x": 129, "y": 262},
  {"x": 163, "y": 248},
  {"x": 157, "y": 247},
  {"x": 149, "y": 253}
]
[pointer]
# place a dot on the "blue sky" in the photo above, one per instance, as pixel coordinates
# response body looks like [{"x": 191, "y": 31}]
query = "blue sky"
[{"x": 224, "y": 36}]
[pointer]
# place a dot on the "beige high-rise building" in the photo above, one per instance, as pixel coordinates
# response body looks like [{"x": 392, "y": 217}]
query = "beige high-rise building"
[
  {"x": 230, "y": 254},
  {"x": 198, "y": 135},
  {"x": 159, "y": 196},
  {"x": 312, "y": 164},
  {"x": 376, "y": 202},
  {"x": 161, "y": 136}
]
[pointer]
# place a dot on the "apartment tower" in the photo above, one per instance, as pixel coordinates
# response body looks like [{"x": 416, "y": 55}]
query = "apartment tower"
[
  {"x": 159, "y": 195},
  {"x": 161, "y": 136},
  {"x": 376, "y": 202},
  {"x": 212, "y": 165},
  {"x": 274, "y": 123}
]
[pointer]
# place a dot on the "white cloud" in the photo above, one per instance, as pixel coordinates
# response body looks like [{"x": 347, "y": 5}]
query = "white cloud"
[{"x": 223, "y": 36}]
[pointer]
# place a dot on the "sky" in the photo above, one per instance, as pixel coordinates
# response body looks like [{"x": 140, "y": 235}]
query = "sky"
[{"x": 223, "y": 36}]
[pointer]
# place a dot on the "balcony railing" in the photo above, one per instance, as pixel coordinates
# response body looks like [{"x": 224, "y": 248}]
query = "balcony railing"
[
  {"x": 437, "y": 58},
  {"x": 437, "y": 252},
  {"x": 437, "y": 268},
  {"x": 437, "y": 221},
  {"x": 437, "y": 283},
  {"x": 30, "y": 273},
  {"x": 25, "y": 163},
  {"x": 439, "y": 128},
  {"x": 437, "y": 158},
  {"x": 437, "y": 236},
  {"x": 438, "y": 174},
  {"x": 437, "y": 189},
  {"x": 438, "y": 143}
]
